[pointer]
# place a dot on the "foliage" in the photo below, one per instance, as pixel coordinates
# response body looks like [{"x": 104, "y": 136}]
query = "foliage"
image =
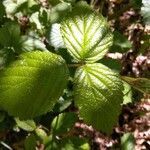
[{"x": 54, "y": 71}]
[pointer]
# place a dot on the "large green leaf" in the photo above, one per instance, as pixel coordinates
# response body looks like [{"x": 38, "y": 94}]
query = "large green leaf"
[
  {"x": 86, "y": 34},
  {"x": 31, "y": 86},
  {"x": 98, "y": 94}
]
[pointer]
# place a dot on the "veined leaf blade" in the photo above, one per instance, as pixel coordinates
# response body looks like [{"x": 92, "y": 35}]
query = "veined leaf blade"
[
  {"x": 31, "y": 86},
  {"x": 98, "y": 94}
]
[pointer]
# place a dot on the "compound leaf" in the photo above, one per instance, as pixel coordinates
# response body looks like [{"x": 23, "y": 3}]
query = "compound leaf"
[
  {"x": 86, "y": 34},
  {"x": 31, "y": 86},
  {"x": 98, "y": 94}
]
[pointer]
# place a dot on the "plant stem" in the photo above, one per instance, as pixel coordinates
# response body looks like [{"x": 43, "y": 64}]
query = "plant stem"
[{"x": 74, "y": 65}]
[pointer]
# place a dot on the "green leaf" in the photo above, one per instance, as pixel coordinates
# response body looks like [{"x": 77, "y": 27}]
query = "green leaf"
[
  {"x": 62, "y": 104},
  {"x": 127, "y": 93},
  {"x": 141, "y": 84},
  {"x": 136, "y": 3},
  {"x": 52, "y": 143},
  {"x": 55, "y": 37},
  {"x": 2, "y": 11},
  {"x": 10, "y": 34},
  {"x": 98, "y": 94},
  {"x": 111, "y": 63},
  {"x": 120, "y": 43},
  {"x": 28, "y": 125},
  {"x": 63, "y": 122},
  {"x": 30, "y": 142},
  {"x": 54, "y": 2},
  {"x": 12, "y": 6},
  {"x": 30, "y": 43},
  {"x": 74, "y": 143},
  {"x": 31, "y": 86},
  {"x": 145, "y": 11},
  {"x": 41, "y": 134},
  {"x": 127, "y": 142},
  {"x": 86, "y": 34},
  {"x": 59, "y": 11}
]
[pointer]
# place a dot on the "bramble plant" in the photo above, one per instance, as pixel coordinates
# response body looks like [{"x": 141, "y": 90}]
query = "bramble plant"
[{"x": 36, "y": 80}]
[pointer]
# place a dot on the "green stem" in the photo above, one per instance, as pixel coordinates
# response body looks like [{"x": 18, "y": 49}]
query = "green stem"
[{"x": 74, "y": 65}]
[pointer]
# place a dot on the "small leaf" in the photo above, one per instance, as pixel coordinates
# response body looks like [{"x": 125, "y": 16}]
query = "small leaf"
[
  {"x": 27, "y": 125},
  {"x": 141, "y": 84},
  {"x": 30, "y": 43},
  {"x": 120, "y": 43},
  {"x": 12, "y": 6},
  {"x": 30, "y": 142},
  {"x": 10, "y": 34},
  {"x": 127, "y": 142},
  {"x": 55, "y": 37},
  {"x": 75, "y": 143},
  {"x": 59, "y": 11},
  {"x": 127, "y": 93},
  {"x": 63, "y": 122},
  {"x": 51, "y": 143},
  {"x": 86, "y": 34},
  {"x": 42, "y": 135},
  {"x": 34, "y": 19},
  {"x": 31, "y": 86},
  {"x": 98, "y": 94},
  {"x": 62, "y": 104},
  {"x": 145, "y": 11}
]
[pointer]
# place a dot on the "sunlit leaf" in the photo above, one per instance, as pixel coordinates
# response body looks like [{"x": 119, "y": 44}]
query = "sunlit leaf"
[
  {"x": 127, "y": 93},
  {"x": 55, "y": 37},
  {"x": 86, "y": 34},
  {"x": 127, "y": 142},
  {"x": 30, "y": 86},
  {"x": 30, "y": 43},
  {"x": 98, "y": 94},
  {"x": 145, "y": 11},
  {"x": 28, "y": 125}
]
